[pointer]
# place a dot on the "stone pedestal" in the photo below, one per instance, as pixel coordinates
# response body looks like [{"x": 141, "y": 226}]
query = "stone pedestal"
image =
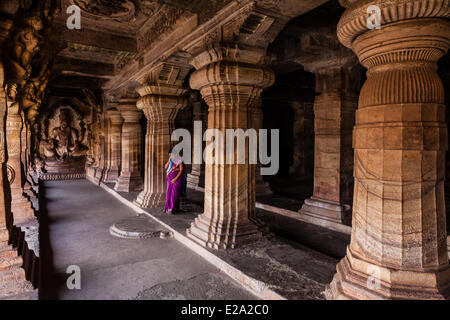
[
  {"x": 196, "y": 178},
  {"x": 160, "y": 105},
  {"x": 130, "y": 177},
  {"x": 229, "y": 80},
  {"x": 334, "y": 109},
  {"x": 398, "y": 246},
  {"x": 113, "y": 154}
]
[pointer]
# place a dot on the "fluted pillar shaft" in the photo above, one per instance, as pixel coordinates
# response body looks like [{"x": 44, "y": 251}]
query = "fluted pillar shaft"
[
  {"x": 130, "y": 177},
  {"x": 229, "y": 80},
  {"x": 398, "y": 245},
  {"x": 113, "y": 155},
  {"x": 160, "y": 106},
  {"x": 100, "y": 169}
]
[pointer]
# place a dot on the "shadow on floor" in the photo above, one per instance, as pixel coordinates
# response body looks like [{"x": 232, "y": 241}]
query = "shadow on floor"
[{"x": 50, "y": 280}]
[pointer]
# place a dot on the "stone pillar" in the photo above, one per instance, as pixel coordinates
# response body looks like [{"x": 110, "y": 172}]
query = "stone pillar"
[
  {"x": 100, "y": 169},
  {"x": 262, "y": 187},
  {"x": 229, "y": 80},
  {"x": 130, "y": 177},
  {"x": 112, "y": 170},
  {"x": 21, "y": 206},
  {"x": 398, "y": 246},
  {"x": 334, "y": 114},
  {"x": 298, "y": 165},
  {"x": 196, "y": 178},
  {"x": 160, "y": 105}
]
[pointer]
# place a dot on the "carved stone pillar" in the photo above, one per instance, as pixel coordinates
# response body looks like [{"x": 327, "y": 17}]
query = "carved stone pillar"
[
  {"x": 112, "y": 170},
  {"x": 160, "y": 105},
  {"x": 196, "y": 178},
  {"x": 334, "y": 114},
  {"x": 21, "y": 207},
  {"x": 298, "y": 165},
  {"x": 100, "y": 169},
  {"x": 229, "y": 80},
  {"x": 130, "y": 177},
  {"x": 262, "y": 187},
  {"x": 398, "y": 246}
]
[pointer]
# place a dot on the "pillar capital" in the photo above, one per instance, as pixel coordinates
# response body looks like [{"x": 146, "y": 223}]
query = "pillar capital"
[
  {"x": 219, "y": 66},
  {"x": 161, "y": 103},
  {"x": 129, "y": 111},
  {"x": 353, "y": 22},
  {"x": 114, "y": 116}
]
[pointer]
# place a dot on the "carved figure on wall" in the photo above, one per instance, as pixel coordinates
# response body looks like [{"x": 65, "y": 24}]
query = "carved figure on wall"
[{"x": 64, "y": 141}]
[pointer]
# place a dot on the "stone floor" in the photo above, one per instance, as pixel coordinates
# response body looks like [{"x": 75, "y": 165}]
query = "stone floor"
[
  {"x": 78, "y": 215},
  {"x": 294, "y": 270}
]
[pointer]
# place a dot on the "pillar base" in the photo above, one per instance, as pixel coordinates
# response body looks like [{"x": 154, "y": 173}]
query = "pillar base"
[
  {"x": 358, "y": 279},
  {"x": 150, "y": 200},
  {"x": 98, "y": 177},
  {"x": 202, "y": 233},
  {"x": 326, "y": 210},
  {"x": 129, "y": 183},
  {"x": 194, "y": 181},
  {"x": 111, "y": 175}
]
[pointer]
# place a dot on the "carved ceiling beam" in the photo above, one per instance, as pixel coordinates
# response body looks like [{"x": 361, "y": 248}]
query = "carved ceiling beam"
[
  {"x": 250, "y": 23},
  {"x": 91, "y": 37},
  {"x": 92, "y": 68}
]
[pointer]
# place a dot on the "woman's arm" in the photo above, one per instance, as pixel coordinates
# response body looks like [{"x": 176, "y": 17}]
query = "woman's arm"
[
  {"x": 179, "y": 173},
  {"x": 166, "y": 166}
]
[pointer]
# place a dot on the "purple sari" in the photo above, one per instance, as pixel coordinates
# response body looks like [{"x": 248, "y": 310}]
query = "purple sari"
[{"x": 173, "y": 189}]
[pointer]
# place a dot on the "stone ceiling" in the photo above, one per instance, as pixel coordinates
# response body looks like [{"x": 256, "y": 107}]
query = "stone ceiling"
[{"x": 113, "y": 33}]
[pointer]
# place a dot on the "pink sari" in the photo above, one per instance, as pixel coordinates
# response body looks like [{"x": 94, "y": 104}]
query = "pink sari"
[{"x": 173, "y": 191}]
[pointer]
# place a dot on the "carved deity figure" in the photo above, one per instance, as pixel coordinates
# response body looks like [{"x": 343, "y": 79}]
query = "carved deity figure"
[{"x": 63, "y": 142}]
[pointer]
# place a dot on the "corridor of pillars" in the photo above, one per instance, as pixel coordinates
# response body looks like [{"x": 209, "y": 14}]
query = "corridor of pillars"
[{"x": 360, "y": 112}]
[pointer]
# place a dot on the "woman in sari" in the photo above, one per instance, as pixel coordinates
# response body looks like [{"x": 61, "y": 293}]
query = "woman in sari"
[{"x": 175, "y": 180}]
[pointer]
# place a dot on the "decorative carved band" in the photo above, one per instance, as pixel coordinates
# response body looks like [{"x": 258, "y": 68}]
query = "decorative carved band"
[
  {"x": 62, "y": 176},
  {"x": 354, "y": 21}
]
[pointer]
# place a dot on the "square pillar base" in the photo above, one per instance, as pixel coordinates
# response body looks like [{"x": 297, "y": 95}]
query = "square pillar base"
[
  {"x": 129, "y": 183},
  {"x": 217, "y": 238},
  {"x": 326, "y": 210}
]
